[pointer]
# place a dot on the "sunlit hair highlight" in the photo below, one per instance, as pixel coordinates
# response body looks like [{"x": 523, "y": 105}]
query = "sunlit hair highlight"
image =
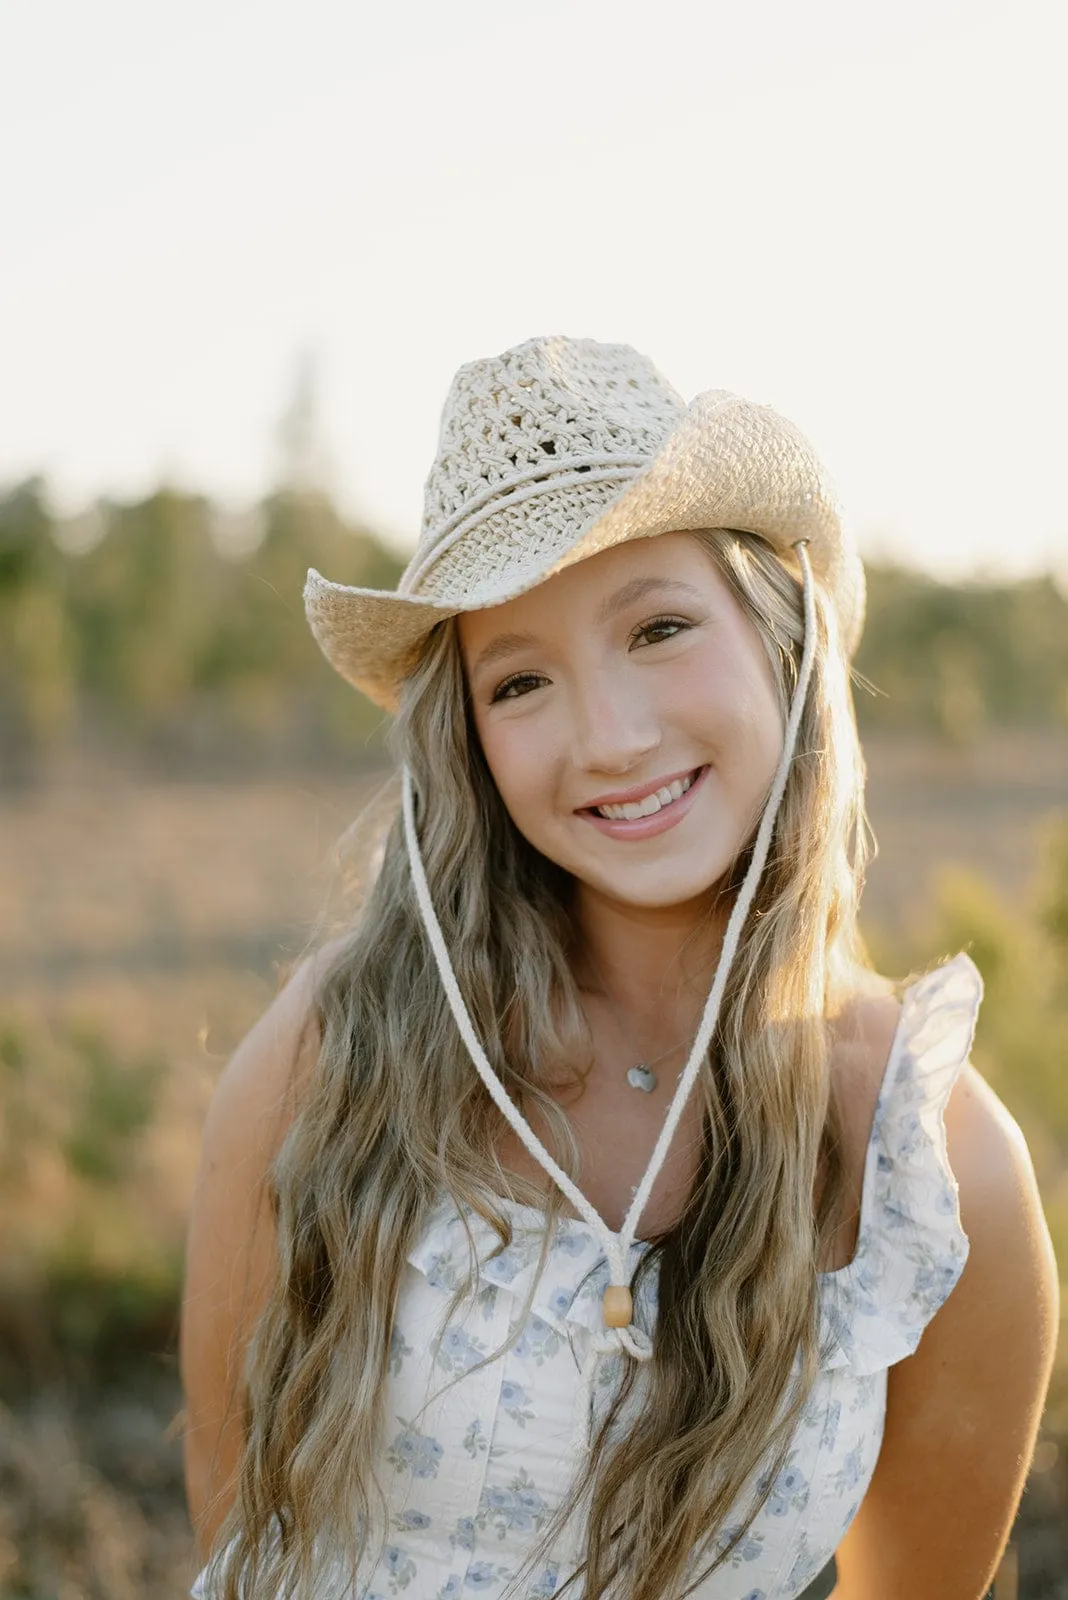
[{"x": 396, "y": 1115}]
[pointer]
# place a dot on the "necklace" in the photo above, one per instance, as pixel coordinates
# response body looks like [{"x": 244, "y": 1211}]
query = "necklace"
[{"x": 641, "y": 1074}]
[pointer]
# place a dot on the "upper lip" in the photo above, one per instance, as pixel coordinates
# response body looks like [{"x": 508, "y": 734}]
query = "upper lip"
[{"x": 641, "y": 791}]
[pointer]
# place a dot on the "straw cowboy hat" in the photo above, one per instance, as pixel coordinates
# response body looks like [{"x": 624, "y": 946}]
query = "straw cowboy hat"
[{"x": 561, "y": 448}]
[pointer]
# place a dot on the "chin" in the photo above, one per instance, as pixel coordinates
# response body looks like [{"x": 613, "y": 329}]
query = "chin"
[{"x": 658, "y": 890}]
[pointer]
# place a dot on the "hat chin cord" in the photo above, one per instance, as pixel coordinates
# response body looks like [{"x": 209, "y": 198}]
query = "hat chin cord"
[{"x": 620, "y": 1331}]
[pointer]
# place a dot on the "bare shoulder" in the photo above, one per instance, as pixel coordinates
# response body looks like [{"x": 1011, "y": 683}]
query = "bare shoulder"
[
  {"x": 1009, "y": 1286},
  {"x": 230, "y": 1250},
  {"x": 987, "y": 1151},
  {"x": 261, "y": 1085},
  {"x": 862, "y": 1033},
  {"x": 255, "y": 1102}
]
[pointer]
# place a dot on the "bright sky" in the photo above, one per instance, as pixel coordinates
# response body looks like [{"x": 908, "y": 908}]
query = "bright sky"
[{"x": 851, "y": 211}]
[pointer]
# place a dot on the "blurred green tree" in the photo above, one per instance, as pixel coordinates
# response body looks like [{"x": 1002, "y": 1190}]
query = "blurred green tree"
[
  {"x": 37, "y": 698},
  {"x": 955, "y": 659},
  {"x": 180, "y": 630}
]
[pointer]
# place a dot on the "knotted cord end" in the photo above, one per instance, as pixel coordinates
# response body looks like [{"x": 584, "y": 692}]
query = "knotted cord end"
[{"x": 634, "y": 1342}]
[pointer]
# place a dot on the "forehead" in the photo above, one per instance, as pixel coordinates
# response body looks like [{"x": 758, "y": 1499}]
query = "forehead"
[{"x": 662, "y": 570}]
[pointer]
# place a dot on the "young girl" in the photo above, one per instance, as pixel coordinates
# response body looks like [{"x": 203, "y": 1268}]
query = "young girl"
[{"x": 591, "y": 1218}]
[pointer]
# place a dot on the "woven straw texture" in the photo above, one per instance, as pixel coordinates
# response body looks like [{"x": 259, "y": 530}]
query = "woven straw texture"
[{"x": 561, "y": 448}]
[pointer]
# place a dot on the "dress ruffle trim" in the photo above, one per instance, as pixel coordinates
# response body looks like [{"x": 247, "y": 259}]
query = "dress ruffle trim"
[
  {"x": 570, "y": 1290},
  {"x": 911, "y": 1248},
  {"x": 910, "y": 1251}
]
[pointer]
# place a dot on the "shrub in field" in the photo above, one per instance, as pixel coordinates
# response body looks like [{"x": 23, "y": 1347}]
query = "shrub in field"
[
  {"x": 116, "y": 1101},
  {"x": 85, "y": 1267}
]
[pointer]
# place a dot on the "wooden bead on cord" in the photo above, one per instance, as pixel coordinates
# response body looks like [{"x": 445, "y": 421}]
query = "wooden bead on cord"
[{"x": 618, "y": 1306}]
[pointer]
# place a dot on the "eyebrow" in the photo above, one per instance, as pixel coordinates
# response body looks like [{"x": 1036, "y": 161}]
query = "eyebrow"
[
  {"x": 637, "y": 589},
  {"x": 507, "y": 644}
]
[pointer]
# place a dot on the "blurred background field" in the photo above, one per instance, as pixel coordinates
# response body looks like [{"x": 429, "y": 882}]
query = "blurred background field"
[{"x": 177, "y": 767}]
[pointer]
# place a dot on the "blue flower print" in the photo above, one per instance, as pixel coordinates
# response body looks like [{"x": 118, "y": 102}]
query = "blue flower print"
[
  {"x": 560, "y": 1301},
  {"x": 932, "y": 1285},
  {"x": 609, "y": 1370},
  {"x": 755, "y": 1594},
  {"x": 413, "y": 1520},
  {"x": 507, "y": 1266},
  {"x": 913, "y": 1139},
  {"x": 514, "y": 1403},
  {"x": 416, "y": 1452},
  {"x": 570, "y": 1243},
  {"x": 442, "y": 1272},
  {"x": 788, "y": 1492},
  {"x": 481, "y": 1574},
  {"x": 864, "y": 1392},
  {"x": 649, "y": 1298},
  {"x": 398, "y": 1349},
  {"x": 515, "y": 1507},
  {"x": 537, "y": 1342},
  {"x": 869, "y": 1286},
  {"x": 463, "y": 1538},
  {"x": 458, "y": 1351},
  {"x": 849, "y": 1473},
  {"x": 400, "y": 1568},
  {"x": 450, "y": 1589},
  {"x": 474, "y": 1439},
  {"x": 805, "y": 1566},
  {"x": 486, "y": 1301},
  {"x": 528, "y": 1504},
  {"x": 749, "y": 1548},
  {"x": 545, "y": 1585}
]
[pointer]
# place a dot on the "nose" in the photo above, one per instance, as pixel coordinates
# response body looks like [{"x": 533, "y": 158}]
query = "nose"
[{"x": 614, "y": 725}]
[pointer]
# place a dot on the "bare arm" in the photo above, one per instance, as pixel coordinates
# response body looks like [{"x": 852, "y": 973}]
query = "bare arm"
[
  {"x": 963, "y": 1412},
  {"x": 230, "y": 1256}
]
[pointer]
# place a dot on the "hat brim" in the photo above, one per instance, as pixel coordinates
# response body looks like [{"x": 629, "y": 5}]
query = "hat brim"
[{"x": 727, "y": 464}]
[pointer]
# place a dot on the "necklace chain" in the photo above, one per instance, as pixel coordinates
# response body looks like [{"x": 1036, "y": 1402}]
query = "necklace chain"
[{"x": 641, "y": 1074}]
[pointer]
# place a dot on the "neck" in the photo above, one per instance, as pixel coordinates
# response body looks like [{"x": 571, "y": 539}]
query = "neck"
[{"x": 657, "y": 962}]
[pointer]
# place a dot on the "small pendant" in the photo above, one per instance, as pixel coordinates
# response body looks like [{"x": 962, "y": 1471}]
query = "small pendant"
[{"x": 642, "y": 1077}]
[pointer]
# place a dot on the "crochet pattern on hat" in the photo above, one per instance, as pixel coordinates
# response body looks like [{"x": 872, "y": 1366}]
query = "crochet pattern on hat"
[{"x": 537, "y": 417}]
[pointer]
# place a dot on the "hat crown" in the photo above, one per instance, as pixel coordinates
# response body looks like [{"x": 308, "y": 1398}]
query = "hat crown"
[
  {"x": 542, "y": 416},
  {"x": 560, "y": 449}
]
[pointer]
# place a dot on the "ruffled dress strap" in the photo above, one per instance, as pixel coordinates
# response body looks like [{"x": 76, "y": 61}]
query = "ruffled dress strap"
[{"x": 911, "y": 1248}]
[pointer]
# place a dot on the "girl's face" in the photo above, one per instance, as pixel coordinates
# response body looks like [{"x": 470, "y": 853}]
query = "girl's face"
[{"x": 628, "y": 713}]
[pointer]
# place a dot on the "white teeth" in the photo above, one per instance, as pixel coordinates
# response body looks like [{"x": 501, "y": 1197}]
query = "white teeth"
[{"x": 633, "y": 809}]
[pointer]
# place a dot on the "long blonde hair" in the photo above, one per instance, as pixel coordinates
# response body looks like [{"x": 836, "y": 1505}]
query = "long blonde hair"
[{"x": 396, "y": 1114}]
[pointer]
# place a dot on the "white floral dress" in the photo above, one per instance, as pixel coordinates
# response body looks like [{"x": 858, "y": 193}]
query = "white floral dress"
[{"x": 476, "y": 1457}]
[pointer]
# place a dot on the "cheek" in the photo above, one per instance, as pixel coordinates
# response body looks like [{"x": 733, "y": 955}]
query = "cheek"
[
  {"x": 748, "y": 723},
  {"x": 520, "y": 767},
  {"x": 765, "y": 730}
]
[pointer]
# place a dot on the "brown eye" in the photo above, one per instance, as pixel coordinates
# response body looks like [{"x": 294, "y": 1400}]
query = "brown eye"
[
  {"x": 659, "y": 629},
  {"x": 513, "y": 688}
]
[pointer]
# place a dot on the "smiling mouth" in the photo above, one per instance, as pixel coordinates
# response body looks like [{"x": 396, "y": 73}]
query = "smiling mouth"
[{"x": 659, "y": 800}]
